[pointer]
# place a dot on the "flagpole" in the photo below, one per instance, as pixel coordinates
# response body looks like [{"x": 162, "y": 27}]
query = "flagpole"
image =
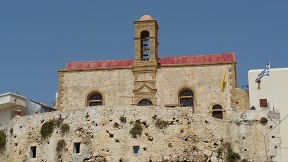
[{"x": 271, "y": 85}]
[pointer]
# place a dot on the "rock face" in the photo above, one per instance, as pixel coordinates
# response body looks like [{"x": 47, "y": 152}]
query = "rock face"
[{"x": 162, "y": 134}]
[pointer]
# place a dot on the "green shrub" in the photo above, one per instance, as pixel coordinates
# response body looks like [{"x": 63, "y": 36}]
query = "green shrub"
[
  {"x": 65, "y": 128},
  {"x": 2, "y": 139},
  {"x": 227, "y": 151},
  {"x": 47, "y": 129},
  {"x": 232, "y": 157},
  {"x": 60, "y": 145},
  {"x": 136, "y": 130},
  {"x": 161, "y": 124}
]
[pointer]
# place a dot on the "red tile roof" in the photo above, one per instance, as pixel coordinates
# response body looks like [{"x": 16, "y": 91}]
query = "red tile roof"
[{"x": 165, "y": 61}]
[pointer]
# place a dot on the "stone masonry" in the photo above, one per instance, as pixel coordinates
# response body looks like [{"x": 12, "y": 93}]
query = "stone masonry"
[
  {"x": 116, "y": 86},
  {"x": 159, "y": 80},
  {"x": 103, "y": 135}
]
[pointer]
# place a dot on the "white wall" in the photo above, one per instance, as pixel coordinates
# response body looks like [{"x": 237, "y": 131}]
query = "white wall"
[
  {"x": 5, "y": 115},
  {"x": 4, "y": 99},
  {"x": 9, "y": 103},
  {"x": 275, "y": 89}
]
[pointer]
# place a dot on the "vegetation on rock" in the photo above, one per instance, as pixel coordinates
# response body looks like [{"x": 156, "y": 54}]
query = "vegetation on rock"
[
  {"x": 232, "y": 157},
  {"x": 227, "y": 150},
  {"x": 2, "y": 139},
  {"x": 47, "y": 128},
  {"x": 60, "y": 145},
  {"x": 161, "y": 124},
  {"x": 136, "y": 130},
  {"x": 65, "y": 128}
]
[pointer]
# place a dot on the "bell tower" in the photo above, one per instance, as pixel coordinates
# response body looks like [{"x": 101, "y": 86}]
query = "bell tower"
[{"x": 145, "y": 60}]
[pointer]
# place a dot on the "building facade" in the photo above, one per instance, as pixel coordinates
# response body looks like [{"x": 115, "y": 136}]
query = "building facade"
[
  {"x": 271, "y": 94},
  {"x": 185, "y": 81},
  {"x": 14, "y": 105},
  {"x": 10, "y": 105}
]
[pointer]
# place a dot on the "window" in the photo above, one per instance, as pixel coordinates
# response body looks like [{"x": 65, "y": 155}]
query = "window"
[
  {"x": 263, "y": 102},
  {"x": 145, "y": 46},
  {"x": 33, "y": 152},
  {"x": 217, "y": 111},
  {"x": 95, "y": 99},
  {"x": 76, "y": 148},
  {"x": 136, "y": 150},
  {"x": 145, "y": 102},
  {"x": 186, "y": 98}
]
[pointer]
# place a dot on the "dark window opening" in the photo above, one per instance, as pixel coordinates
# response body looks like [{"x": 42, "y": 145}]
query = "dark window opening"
[
  {"x": 136, "y": 150},
  {"x": 186, "y": 102},
  {"x": 263, "y": 103},
  {"x": 217, "y": 107},
  {"x": 76, "y": 148},
  {"x": 217, "y": 111},
  {"x": 186, "y": 99},
  {"x": 95, "y": 100},
  {"x": 145, "y": 46},
  {"x": 145, "y": 102},
  {"x": 217, "y": 114},
  {"x": 33, "y": 152}
]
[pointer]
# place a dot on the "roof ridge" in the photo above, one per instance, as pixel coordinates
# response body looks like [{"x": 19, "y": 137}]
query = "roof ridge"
[{"x": 171, "y": 60}]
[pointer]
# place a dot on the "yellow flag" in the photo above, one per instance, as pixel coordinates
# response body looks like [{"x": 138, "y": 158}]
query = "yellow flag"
[{"x": 223, "y": 82}]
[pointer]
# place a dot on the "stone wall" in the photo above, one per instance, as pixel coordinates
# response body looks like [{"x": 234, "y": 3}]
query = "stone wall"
[
  {"x": 202, "y": 80},
  {"x": 242, "y": 99},
  {"x": 104, "y": 136},
  {"x": 116, "y": 86}
]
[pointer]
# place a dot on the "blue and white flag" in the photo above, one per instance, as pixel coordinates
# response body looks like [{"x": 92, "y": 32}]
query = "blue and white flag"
[{"x": 265, "y": 72}]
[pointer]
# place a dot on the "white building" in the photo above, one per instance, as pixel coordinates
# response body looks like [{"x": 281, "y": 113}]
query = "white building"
[
  {"x": 12, "y": 104},
  {"x": 272, "y": 93}
]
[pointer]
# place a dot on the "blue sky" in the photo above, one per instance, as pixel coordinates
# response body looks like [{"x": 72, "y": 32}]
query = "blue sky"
[{"x": 37, "y": 38}]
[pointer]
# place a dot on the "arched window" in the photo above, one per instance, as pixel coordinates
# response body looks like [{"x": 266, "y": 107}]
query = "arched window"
[
  {"x": 217, "y": 111},
  {"x": 186, "y": 98},
  {"x": 145, "y": 45},
  {"x": 145, "y": 102},
  {"x": 95, "y": 99}
]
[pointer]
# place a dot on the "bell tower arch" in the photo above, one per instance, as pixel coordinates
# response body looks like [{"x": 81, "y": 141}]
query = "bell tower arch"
[{"x": 145, "y": 59}]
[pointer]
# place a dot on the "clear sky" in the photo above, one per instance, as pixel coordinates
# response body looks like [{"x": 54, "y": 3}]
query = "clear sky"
[{"x": 37, "y": 38}]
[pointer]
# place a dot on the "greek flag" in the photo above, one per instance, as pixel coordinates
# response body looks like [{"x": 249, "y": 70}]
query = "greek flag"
[{"x": 265, "y": 72}]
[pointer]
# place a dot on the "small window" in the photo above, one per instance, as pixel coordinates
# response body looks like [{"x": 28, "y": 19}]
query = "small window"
[
  {"x": 217, "y": 111},
  {"x": 186, "y": 98},
  {"x": 95, "y": 99},
  {"x": 263, "y": 103},
  {"x": 136, "y": 150},
  {"x": 145, "y": 102},
  {"x": 33, "y": 152},
  {"x": 76, "y": 148}
]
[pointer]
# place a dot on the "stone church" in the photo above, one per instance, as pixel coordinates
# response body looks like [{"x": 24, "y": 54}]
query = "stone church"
[
  {"x": 149, "y": 108},
  {"x": 148, "y": 79}
]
